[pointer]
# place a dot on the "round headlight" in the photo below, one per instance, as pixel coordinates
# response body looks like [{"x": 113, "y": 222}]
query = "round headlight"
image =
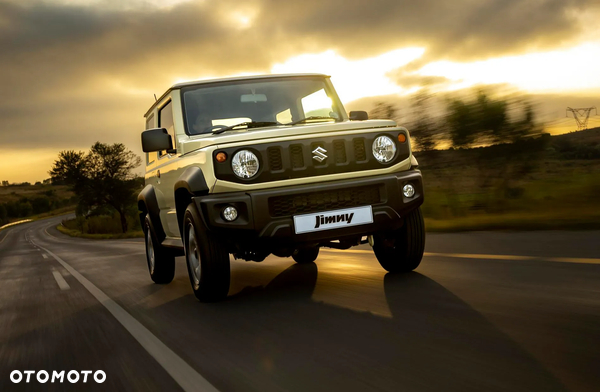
[
  {"x": 384, "y": 149},
  {"x": 245, "y": 164}
]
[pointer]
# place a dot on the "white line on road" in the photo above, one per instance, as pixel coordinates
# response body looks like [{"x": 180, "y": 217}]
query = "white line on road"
[
  {"x": 517, "y": 258},
  {"x": 62, "y": 283},
  {"x": 45, "y": 256},
  {"x": 5, "y": 235},
  {"x": 187, "y": 378},
  {"x": 577, "y": 260}
]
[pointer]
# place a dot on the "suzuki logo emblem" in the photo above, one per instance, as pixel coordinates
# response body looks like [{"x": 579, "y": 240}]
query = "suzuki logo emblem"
[{"x": 319, "y": 154}]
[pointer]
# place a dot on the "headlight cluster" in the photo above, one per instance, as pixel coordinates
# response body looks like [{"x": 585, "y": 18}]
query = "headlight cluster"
[
  {"x": 245, "y": 164},
  {"x": 384, "y": 149}
]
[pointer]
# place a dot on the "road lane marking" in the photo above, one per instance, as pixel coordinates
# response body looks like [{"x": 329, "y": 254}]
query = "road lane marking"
[
  {"x": 62, "y": 283},
  {"x": 45, "y": 256},
  {"x": 478, "y": 256},
  {"x": 575, "y": 260},
  {"x": 6, "y": 235},
  {"x": 46, "y": 231},
  {"x": 183, "y": 374}
]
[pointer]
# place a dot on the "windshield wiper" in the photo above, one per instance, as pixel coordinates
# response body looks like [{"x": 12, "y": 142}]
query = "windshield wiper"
[
  {"x": 248, "y": 124},
  {"x": 311, "y": 118}
]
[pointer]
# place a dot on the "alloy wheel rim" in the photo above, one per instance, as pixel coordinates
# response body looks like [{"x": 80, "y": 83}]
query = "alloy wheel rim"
[
  {"x": 150, "y": 250},
  {"x": 193, "y": 255}
]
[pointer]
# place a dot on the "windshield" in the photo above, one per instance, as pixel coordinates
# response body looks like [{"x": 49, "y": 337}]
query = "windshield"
[{"x": 257, "y": 103}]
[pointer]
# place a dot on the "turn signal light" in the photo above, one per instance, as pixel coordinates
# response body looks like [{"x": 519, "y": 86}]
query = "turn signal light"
[
  {"x": 221, "y": 157},
  {"x": 401, "y": 137}
]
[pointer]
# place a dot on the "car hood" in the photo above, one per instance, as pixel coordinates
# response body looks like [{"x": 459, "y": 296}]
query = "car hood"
[{"x": 196, "y": 142}]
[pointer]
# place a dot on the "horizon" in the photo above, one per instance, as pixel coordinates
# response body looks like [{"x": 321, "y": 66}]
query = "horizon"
[{"x": 76, "y": 70}]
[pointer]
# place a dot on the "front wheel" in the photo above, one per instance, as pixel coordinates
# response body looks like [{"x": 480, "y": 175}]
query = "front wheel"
[
  {"x": 207, "y": 259},
  {"x": 401, "y": 250}
]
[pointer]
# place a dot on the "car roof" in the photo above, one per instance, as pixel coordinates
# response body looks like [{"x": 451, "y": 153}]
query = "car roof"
[{"x": 231, "y": 79}]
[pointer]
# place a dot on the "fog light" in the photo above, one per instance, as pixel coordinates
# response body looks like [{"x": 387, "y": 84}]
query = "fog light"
[
  {"x": 408, "y": 190},
  {"x": 230, "y": 214}
]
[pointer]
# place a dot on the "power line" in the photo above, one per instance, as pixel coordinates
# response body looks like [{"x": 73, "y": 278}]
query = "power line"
[{"x": 581, "y": 116}]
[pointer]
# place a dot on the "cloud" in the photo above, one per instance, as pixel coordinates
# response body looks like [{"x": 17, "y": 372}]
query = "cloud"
[{"x": 74, "y": 73}]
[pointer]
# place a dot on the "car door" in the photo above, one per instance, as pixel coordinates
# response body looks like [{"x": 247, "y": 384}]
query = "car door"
[{"x": 166, "y": 173}]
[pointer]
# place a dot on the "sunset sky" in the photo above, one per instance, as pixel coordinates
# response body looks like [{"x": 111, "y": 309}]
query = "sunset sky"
[{"x": 75, "y": 72}]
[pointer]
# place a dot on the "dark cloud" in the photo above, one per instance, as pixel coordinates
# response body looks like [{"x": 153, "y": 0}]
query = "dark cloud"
[
  {"x": 71, "y": 75},
  {"x": 407, "y": 80}
]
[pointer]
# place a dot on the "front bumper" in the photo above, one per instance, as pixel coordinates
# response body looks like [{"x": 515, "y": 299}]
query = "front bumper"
[{"x": 266, "y": 216}]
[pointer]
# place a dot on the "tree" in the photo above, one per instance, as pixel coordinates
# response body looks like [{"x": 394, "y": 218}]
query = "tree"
[
  {"x": 385, "y": 111},
  {"x": 103, "y": 177},
  {"x": 462, "y": 123},
  {"x": 3, "y": 214},
  {"x": 423, "y": 128},
  {"x": 488, "y": 120}
]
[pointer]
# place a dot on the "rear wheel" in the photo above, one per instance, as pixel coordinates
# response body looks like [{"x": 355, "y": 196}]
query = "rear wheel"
[
  {"x": 401, "y": 250},
  {"x": 161, "y": 263},
  {"x": 207, "y": 259},
  {"x": 306, "y": 255}
]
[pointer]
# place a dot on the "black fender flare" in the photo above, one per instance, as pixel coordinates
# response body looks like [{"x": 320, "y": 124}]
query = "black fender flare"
[
  {"x": 191, "y": 183},
  {"x": 148, "y": 204}
]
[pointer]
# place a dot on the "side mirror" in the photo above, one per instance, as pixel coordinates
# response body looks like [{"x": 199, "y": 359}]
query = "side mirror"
[
  {"x": 359, "y": 115},
  {"x": 157, "y": 139}
]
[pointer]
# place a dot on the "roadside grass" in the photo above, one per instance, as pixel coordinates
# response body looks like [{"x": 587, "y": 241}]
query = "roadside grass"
[
  {"x": 101, "y": 227},
  {"x": 519, "y": 221},
  {"x": 17, "y": 192},
  {"x": 59, "y": 211},
  {"x": 537, "y": 185},
  {"x": 79, "y": 234}
]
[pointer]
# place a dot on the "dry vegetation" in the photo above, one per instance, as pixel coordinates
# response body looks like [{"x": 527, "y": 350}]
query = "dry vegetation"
[
  {"x": 18, "y": 202},
  {"x": 542, "y": 183}
]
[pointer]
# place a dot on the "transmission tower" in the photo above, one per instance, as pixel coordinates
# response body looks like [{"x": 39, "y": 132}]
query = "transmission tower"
[{"x": 581, "y": 116}]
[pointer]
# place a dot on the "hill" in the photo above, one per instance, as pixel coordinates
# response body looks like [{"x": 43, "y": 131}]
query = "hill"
[
  {"x": 24, "y": 201},
  {"x": 548, "y": 182}
]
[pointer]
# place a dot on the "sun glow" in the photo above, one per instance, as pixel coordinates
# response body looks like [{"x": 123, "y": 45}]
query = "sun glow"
[
  {"x": 353, "y": 79},
  {"x": 569, "y": 70},
  {"x": 572, "y": 70}
]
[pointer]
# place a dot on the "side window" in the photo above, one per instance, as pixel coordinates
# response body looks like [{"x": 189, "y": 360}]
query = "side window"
[
  {"x": 165, "y": 120},
  {"x": 150, "y": 156}
]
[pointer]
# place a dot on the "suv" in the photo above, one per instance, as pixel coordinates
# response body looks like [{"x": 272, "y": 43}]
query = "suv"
[{"x": 272, "y": 164}]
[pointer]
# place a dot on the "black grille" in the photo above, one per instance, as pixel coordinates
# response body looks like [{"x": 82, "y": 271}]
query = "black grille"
[
  {"x": 339, "y": 149},
  {"x": 297, "y": 157},
  {"x": 275, "y": 162},
  {"x": 359, "y": 149},
  {"x": 285, "y": 160},
  {"x": 323, "y": 201}
]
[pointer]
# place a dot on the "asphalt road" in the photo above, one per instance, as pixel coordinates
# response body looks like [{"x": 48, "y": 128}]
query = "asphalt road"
[{"x": 483, "y": 312}]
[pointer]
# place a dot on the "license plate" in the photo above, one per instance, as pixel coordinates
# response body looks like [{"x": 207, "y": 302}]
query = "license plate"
[{"x": 336, "y": 219}]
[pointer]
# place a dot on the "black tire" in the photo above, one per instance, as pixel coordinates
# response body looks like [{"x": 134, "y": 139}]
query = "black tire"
[
  {"x": 161, "y": 263},
  {"x": 306, "y": 255},
  {"x": 402, "y": 249},
  {"x": 206, "y": 257}
]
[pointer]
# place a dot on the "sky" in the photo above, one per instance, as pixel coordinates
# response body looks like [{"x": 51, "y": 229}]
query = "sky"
[{"x": 73, "y": 72}]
